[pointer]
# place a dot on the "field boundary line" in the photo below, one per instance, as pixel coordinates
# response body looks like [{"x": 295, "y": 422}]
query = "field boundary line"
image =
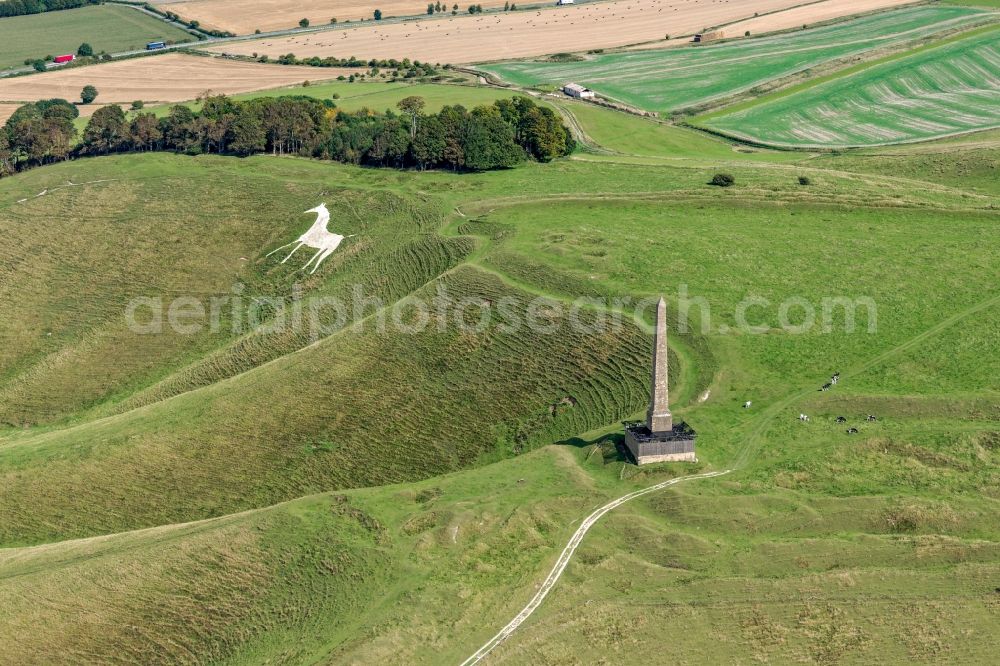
[{"x": 564, "y": 558}]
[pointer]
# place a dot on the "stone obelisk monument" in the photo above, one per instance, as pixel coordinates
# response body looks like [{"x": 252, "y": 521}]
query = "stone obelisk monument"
[
  {"x": 659, "y": 418},
  {"x": 659, "y": 439}
]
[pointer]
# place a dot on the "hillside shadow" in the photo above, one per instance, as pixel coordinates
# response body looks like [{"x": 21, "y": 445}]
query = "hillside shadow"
[{"x": 612, "y": 446}]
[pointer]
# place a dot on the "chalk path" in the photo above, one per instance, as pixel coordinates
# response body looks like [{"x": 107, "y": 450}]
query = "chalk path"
[{"x": 564, "y": 559}]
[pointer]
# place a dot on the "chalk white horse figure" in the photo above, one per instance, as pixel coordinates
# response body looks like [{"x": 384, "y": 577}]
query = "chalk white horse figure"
[{"x": 316, "y": 237}]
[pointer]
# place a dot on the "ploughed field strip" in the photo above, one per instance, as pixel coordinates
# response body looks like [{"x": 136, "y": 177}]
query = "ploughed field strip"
[
  {"x": 671, "y": 79},
  {"x": 942, "y": 91}
]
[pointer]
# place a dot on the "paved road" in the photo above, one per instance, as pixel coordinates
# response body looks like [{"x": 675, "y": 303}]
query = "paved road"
[{"x": 564, "y": 559}]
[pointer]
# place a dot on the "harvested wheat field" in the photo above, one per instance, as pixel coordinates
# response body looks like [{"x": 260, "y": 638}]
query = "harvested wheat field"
[
  {"x": 244, "y": 16},
  {"x": 6, "y": 111},
  {"x": 172, "y": 77},
  {"x": 797, "y": 17},
  {"x": 467, "y": 39}
]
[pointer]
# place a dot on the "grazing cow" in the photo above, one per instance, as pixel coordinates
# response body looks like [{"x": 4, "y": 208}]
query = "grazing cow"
[
  {"x": 852, "y": 431},
  {"x": 835, "y": 379},
  {"x": 825, "y": 387},
  {"x": 841, "y": 419},
  {"x": 746, "y": 405},
  {"x": 871, "y": 418},
  {"x": 803, "y": 417}
]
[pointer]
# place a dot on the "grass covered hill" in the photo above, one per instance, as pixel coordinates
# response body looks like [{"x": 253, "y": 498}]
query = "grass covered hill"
[
  {"x": 295, "y": 582},
  {"x": 387, "y": 497},
  {"x": 352, "y": 391}
]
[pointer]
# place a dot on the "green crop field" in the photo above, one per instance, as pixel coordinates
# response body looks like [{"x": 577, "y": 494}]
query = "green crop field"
[
  {"x": 935, "y": 92},
  {"x": 108, "y": 28},
  {"x": 994, "y": 4},
  {"x": 381, "y": 491},
  {"x": 374, "y": 95},
  {"x": 671, "y": 79},
  {"x": 381, "y": 96}
]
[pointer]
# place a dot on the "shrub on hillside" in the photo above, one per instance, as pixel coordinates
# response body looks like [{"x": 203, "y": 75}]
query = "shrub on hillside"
[
  {"x": 722, "y": 180},
  {"x": 805, "y": 180}
]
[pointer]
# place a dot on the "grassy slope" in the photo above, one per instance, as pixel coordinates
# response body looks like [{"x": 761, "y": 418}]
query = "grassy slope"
[
  {"x": 933, "y": 92},
  {"x": 825, "y": 548},
  {"x": 973, "y": 164},
  {"x": 415, "y": 413},
  {"x": 108, "y": 28},
  {"x": 377, "y": 96},
  {"x": 678, "y": 78},
  {"x": 380, "y": 95},
  {"x": 423, "y": 573},
  {"x": 298, "y": 581},
  {"x": 53, "y": 361},
  {"x": 626, "y": 135},
  {"x": 823, "y": 251}
]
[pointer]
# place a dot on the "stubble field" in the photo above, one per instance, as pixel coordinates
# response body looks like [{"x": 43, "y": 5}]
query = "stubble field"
[
  {"x": 243, "y": 17},
  {"x": 466, "y": 39},
  {"x": 172, "y": 77}
]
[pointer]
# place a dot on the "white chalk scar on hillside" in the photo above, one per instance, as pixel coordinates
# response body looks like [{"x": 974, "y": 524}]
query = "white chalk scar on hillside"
[{"x": 317, "y": 237}]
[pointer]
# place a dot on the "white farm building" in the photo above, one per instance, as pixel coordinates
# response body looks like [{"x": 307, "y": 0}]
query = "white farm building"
[
  {"x": 564, "y": 2},
  {"x": 576, "y": 90}
]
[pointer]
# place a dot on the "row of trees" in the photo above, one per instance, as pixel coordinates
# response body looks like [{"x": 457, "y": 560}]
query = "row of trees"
[
  {"x": 37, "y": 134},
  {"x": 404, "y": 69},
  {"x": 193, "y": 24},
  {"x": 433, "y": 8},
  {"x": 497, "y": 136},
  {"x": 22, "y": 7}
]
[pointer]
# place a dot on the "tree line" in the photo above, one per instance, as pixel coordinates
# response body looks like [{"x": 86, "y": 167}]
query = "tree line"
[
  {"x": 23, "y": 7},
  {"x": 496, "y": 136},
  {"x": 404, "y": 69}
]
